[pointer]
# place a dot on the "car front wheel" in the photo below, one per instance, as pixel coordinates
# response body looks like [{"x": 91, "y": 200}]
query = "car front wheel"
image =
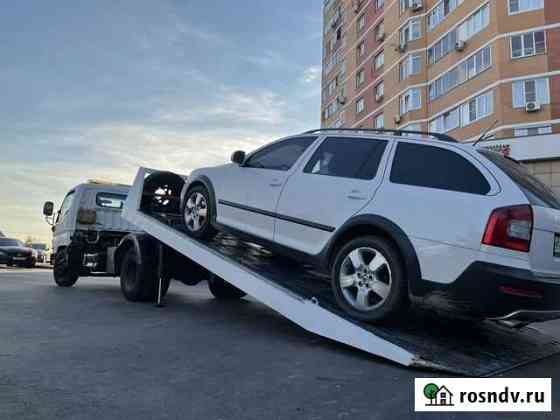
[
  {"x": 198, "y": 213},
  {"x": 368, "y": 279}
]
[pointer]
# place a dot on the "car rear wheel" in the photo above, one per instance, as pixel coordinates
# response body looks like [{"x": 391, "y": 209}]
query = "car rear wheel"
[
  {"x": 368, "y": 279},
  {"x": 198, "y": 213}
]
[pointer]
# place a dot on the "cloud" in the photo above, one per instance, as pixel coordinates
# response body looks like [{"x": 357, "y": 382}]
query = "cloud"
[
  {"x": 234, "y": 108},
  {"x": 311, "y": 74}
]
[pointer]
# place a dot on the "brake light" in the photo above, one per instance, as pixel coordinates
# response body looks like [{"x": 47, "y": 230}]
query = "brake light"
[{"x": 510, "y": 227}]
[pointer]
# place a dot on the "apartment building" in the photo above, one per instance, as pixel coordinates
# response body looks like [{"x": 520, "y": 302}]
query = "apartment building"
[{"x": 449, "y": 66}]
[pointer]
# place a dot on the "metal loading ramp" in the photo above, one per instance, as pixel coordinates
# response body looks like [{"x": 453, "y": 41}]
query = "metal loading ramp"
[{"x": 422, "y": 339}]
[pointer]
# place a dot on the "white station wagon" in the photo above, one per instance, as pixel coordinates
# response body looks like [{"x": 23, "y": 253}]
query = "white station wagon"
[{"x": 392, "y": 217}]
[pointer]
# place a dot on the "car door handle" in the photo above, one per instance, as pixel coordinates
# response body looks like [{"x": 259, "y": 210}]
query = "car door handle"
[
  {"x": 276, "y": 183},
  {"x": 356, "y": 195}
]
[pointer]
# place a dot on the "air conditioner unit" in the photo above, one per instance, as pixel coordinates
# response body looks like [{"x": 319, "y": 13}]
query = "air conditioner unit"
[
  {"x": 416, "y": 6},
  {"x": 460, "y": 46},
  {"x": 532, "y": 107},
  {"x": 379, "y": 98},
  {"x": 398, "y": 119},
  {"x": 381, "y": 37},
  {"x": 341, "y": 99}
]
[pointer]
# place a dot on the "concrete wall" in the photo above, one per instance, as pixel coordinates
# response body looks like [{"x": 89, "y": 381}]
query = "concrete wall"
[{"x": 548, "y": 172}]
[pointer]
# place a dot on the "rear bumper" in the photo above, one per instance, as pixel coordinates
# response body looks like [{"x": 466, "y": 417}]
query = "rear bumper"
[{"x": 502, "y": 292}]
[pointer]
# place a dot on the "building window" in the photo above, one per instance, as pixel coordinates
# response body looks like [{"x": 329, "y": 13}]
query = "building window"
[
  {"x": 535, "y": 90},
  {"x": 527, "y": 45},
  {"x": 409, "y": 4},
  {"x": 331, "y": 88},
  {"x": 362, "y": 22},
  {"x": 360, "y": 77},
  {"x": 441, "y": 11},
  {"x": 468, "y": 69},
  {"x": 361, "y": 49},
  {"x": 380, "y": 90},
  {"x": 360, "y": 106},
  {"x": 474, "y": 24},
  {"x": 379, "y": 4},
  {"x": 380, "y": 30},
  {"x": 533, "y": 131},
  {"x": 410, "y": 66},
  {"x": 330, "y": 110},
  {"x": 379, "y": 60},
  {"x": 477, "y": 108},
  {"x": 411, "y": 100},
  {"x": 411, "y": 31},
  {"x": 446, "y": 122},
  {"x": 379, "y": 121},
  {"x": 520, "y": 6},
  {"x": 412, "y": 127}
]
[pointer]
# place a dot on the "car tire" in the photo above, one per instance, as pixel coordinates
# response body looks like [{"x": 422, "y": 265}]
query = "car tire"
[
  {"x": 64, "y": 274},
  {"x": 223, "y": 290},
  {"x": 368, "y": 279},
  {"x": 198, "y": 213},
  {"x": 139, "y": 281}
]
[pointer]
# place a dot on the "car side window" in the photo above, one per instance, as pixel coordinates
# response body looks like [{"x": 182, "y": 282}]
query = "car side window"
[
  {"x": 65, "y": 208},
  {"x": 435, "y": 167},
  {"x": 344, "y": 157},
  {"x": 280, "y": 156}
]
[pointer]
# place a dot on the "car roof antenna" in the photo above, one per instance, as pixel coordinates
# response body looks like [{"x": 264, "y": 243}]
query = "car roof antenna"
[{"x": 485, "y": 134}]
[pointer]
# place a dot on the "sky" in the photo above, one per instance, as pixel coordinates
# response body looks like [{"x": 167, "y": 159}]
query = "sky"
[{"x": 95, "y": 89}]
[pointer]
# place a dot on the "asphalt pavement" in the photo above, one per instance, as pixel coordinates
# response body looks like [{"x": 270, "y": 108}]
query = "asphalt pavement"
[{"x": 86, "y": 353}]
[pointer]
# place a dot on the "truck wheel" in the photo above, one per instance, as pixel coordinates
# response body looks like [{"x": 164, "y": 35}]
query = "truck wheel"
[
  {"x": 139, "y": 282},
  {"x": 368, "y": 279},
  {"x": 198, "y": 212},
  {"x": 222, "y": 290},
  {"x": 64, "y": 275}
]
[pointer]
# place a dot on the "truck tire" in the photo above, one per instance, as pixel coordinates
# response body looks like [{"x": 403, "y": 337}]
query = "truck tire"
[
  {"x": 64, "y": 274},
  {"x": 222, "y": 290},
  {"x": 139, "y": 282},
  {"x": 368, "y": 280}
]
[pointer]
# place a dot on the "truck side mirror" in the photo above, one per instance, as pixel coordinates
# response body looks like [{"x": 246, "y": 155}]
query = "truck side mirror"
[
  {"x": 48, "y": 209},
  {"x": 238, "y": 157}
]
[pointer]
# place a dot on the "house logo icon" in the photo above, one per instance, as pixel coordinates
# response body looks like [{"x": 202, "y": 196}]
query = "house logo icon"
[{"x": 438, "y": 396}]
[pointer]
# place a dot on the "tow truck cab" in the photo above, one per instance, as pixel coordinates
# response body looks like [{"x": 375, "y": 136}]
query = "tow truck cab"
[{"x": 87, "y": 229}]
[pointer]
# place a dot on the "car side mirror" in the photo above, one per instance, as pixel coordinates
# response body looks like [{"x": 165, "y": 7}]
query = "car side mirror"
[
  {"x": 238, "y": 157},
  {"x": 48, "y": 209}
]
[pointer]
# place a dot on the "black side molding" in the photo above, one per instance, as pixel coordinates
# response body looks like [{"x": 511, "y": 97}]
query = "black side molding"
[{"x": 302, "y": 222}]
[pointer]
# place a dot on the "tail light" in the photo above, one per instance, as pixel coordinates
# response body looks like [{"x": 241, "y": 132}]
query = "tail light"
[{"x": 510, "y": 227}]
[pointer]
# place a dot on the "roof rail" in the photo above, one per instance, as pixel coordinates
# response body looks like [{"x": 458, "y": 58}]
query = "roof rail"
[{"x": 437, "y": 136}]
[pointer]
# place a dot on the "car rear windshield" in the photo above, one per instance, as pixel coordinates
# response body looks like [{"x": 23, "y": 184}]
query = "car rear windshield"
[{"x": 537, "y": 193}]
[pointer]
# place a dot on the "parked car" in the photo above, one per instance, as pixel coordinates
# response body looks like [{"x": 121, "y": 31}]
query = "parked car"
[
  {"x": 14, "y": 253},
  {"x": 43, "y": 252},
  {"x": 393, "y": 218},
  {"x": 87, "y": 230}
]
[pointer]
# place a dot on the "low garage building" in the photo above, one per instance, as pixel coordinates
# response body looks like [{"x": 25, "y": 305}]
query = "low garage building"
[{"x": 540, "y": 154}]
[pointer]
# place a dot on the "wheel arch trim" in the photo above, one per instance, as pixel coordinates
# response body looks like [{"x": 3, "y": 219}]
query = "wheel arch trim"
[{"x": 391, "y": 230}]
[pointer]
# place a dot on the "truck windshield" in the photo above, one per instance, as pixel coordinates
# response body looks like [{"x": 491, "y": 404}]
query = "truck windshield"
[
  {"x": 536, "y": 192},
  {"x": 10, "y": 242}
]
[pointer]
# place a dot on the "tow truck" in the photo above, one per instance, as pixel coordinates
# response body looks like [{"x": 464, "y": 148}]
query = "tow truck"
[{"x": 425, "y": 338}]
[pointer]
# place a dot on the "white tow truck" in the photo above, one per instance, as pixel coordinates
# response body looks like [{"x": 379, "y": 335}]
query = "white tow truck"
[{"x": 424, "y": 338}]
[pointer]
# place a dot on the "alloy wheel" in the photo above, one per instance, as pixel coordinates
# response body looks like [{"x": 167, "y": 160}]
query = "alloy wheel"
[
  {"x": 196, "y": 212},
  {"x": 365, "y": 278}
]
